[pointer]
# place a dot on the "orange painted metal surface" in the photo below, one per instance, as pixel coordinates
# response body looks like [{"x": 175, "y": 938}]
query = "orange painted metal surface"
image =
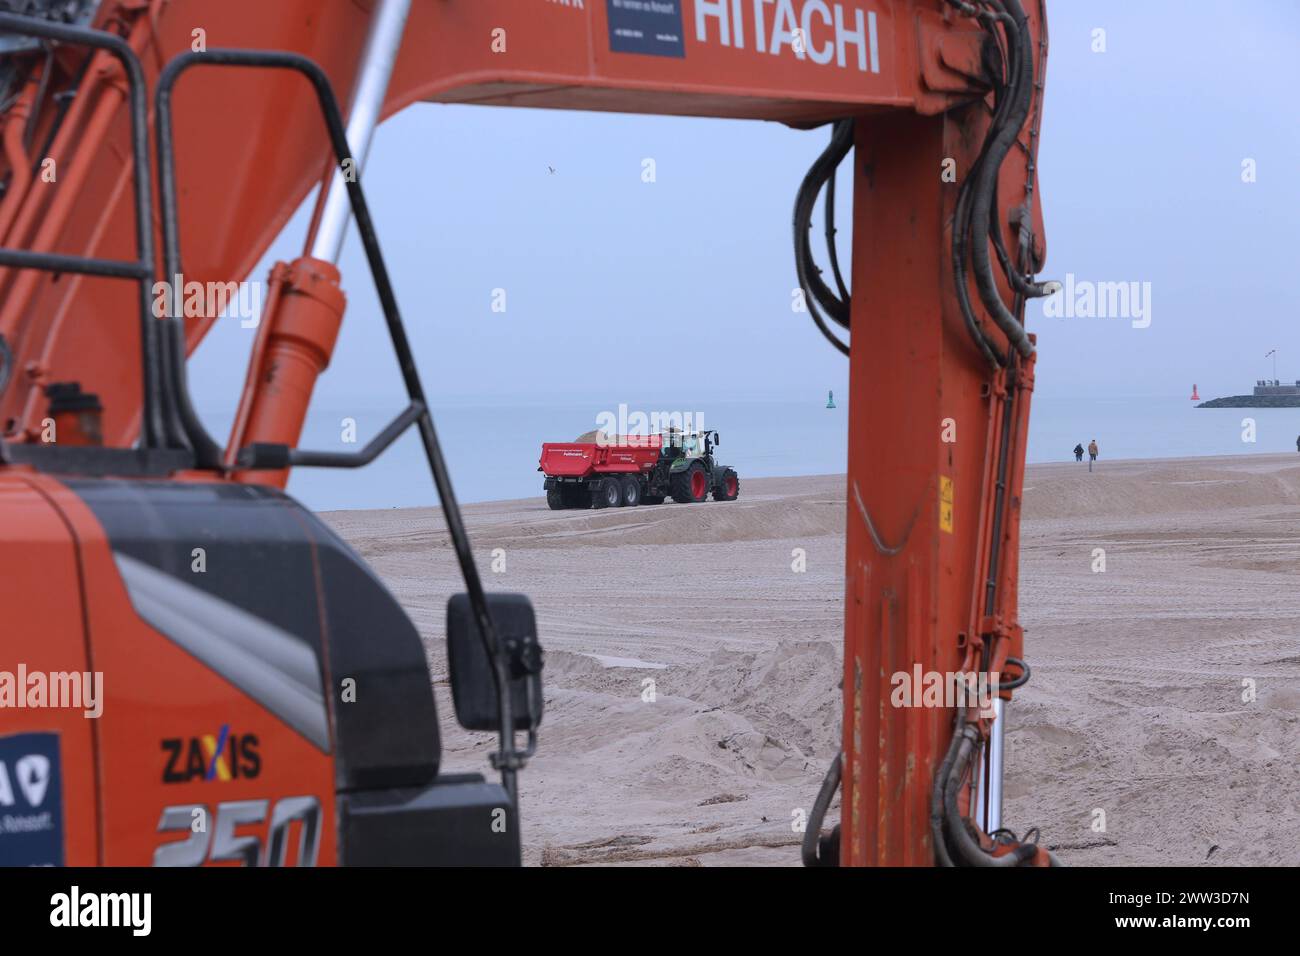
[
  {"x": 919, "y": 526},
  {"x": 45, "y": 631},
  {"x": 153, "y": 691}
]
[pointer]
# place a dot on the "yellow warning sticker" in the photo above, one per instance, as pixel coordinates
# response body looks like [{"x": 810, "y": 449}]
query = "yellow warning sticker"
[{"x": 945, "y": 503}]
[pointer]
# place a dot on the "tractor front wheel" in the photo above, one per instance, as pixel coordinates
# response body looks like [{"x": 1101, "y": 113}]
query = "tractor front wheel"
[{"x": 729, "y": 489}]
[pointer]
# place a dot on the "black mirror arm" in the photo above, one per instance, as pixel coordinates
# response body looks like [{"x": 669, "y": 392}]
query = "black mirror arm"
[
  {"x": 531, "y": 747},
  {"x": 526, "y": 662},
  {"x": 513, "y": 660}
]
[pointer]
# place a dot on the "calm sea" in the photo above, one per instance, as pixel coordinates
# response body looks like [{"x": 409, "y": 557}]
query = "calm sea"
[{"x": 493, "y": 450}]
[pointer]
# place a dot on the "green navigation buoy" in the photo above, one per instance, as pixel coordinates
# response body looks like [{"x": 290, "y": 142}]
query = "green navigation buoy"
[{"x": 830, "y": 399}]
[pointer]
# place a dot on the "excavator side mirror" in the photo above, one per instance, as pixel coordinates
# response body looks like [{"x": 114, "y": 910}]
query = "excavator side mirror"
[
  {"x": 717, "y": 439},
  {"x": 473, "y": 685}
]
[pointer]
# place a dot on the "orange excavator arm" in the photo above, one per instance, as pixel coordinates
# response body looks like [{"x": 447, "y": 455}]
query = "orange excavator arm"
[{"x": 939, "y": 103}]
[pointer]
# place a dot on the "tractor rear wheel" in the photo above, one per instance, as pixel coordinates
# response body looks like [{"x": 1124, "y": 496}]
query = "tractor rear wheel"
[
  {"x": 729, "y": 489},
  {"x": 630, "y": 489},
  {"x": 691, "y": 485}
]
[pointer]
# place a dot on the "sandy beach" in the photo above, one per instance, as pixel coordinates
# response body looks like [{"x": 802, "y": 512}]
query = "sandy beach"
[{"x": 692, "y": 678}]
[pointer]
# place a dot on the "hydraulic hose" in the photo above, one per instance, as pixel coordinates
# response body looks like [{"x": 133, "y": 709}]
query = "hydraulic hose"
[
  {"x": 1019, "y": 681},
  {"x": 818, "y": 297},
  {"x": 961, "y": 223},
  {"x": 962, "y": 213},
  {"x": 950, "y": 830},
  {"x": 941, "y": 855},
  {"x": 831, "y": 251},
  {"x": 1003, "y": 135},
  {"x": 967, "y": 849},
  {"x": 813, "y": 830},
  {"x": 818, "y": 174},
  {"x": 976, "y": 223}
]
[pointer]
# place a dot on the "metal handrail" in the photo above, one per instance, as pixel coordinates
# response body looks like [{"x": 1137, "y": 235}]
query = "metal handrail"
[
  {"x": 508, "y": 759},
  {"x": 154, "y": 429}
]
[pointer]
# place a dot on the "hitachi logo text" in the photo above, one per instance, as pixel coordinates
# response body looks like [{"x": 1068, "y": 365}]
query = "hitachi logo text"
[{"x": 826, "y": 33}]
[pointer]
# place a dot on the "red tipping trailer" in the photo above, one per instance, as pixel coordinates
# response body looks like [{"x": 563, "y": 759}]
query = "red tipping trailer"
[
  {"x": 634, "y": 469},
  {"x": 579, "y": 459}
]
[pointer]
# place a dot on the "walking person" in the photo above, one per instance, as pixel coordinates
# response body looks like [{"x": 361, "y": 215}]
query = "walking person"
[
  {"x": 1078, "y": 450},
  {"x": 1092, "y": 453}
]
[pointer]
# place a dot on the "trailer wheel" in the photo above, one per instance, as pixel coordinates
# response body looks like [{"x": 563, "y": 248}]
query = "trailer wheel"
[
  {"x": 606, "y": 494},
  {"x": 555, "y": 499},
  {"x": 630, "y": 489},
  {"x": 691, "y": 485}
]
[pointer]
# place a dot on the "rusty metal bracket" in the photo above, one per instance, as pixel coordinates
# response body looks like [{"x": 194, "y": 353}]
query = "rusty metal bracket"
[{"x": 950, "y": 56}]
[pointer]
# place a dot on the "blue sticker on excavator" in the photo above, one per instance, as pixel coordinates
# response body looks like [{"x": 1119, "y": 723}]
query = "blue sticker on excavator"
[
  {"x": 31, "y": 801},
  {"x": 652, "y": 27}
]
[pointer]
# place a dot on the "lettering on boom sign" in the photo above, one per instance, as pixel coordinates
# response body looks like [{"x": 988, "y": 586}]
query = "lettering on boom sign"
[{"x": 822, "y": 31}]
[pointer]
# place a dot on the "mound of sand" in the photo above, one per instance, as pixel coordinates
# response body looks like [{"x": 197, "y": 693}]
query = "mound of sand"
[{"x": 1124, "y": 488}]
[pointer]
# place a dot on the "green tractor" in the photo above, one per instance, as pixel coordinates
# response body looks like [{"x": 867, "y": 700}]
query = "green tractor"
[{"x": 694, "y": 471}]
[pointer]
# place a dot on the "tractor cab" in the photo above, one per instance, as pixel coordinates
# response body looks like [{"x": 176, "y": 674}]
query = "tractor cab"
[
  {"x": 692, "y": 472},
  {"x": 672, "y": 445},
  {"x": 678, "y": 444}
]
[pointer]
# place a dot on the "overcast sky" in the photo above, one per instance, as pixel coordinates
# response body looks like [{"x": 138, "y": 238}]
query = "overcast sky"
[{"x": 679, "y": 290}]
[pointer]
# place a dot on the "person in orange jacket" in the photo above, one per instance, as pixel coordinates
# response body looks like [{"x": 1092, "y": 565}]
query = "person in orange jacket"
[{"x": 1092, "y": 453}]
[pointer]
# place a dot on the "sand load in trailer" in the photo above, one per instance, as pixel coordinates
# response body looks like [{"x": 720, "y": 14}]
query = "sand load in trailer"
[{"x": 619, "y": 470}]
